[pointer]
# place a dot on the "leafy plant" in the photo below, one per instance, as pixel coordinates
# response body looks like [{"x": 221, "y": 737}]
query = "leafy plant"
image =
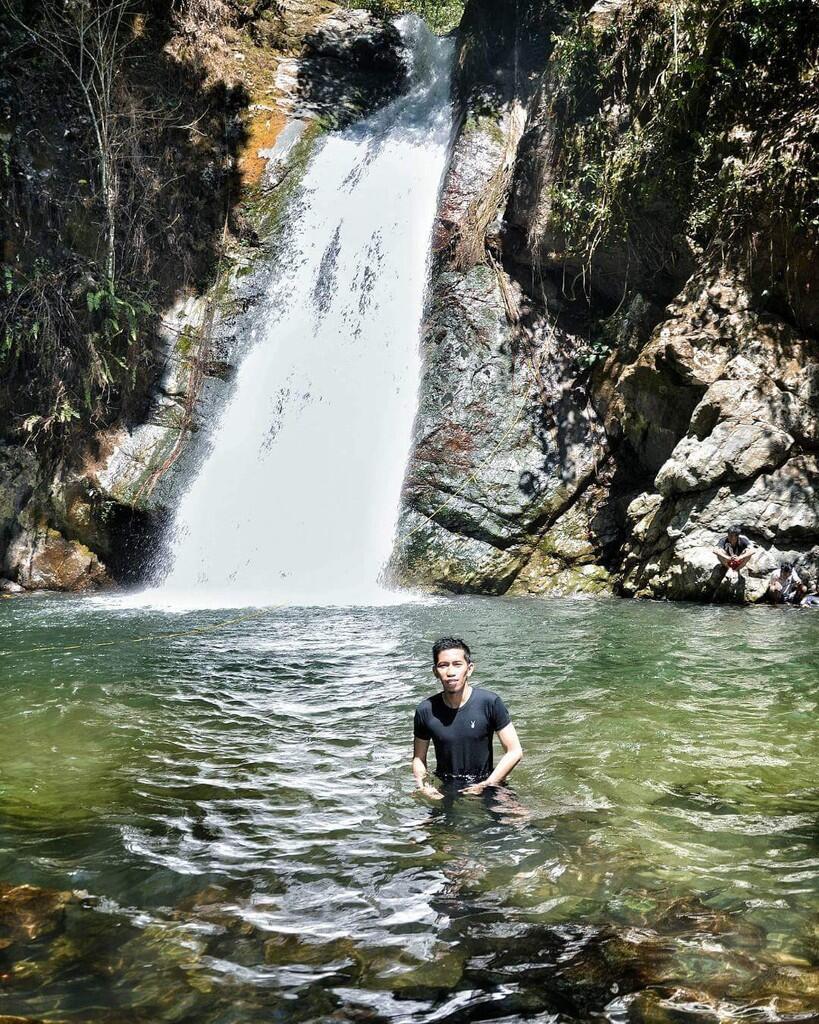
[
  {"x": 441, "y": 15},
  {"x": 693, "y": 117}
]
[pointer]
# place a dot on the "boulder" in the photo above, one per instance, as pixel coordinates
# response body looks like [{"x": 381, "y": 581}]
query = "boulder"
[
  {"x": 669, "y": 550},
  {"x": 40, "y": 558},
  {"x": 351, "y": 62}
]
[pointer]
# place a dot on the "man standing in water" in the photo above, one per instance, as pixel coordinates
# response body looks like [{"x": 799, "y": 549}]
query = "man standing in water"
[{"x": 461, "y": 721}]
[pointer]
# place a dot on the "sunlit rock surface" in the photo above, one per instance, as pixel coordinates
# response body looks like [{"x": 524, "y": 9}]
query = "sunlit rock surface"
[
  {"x": 503, "y": 445},
  {"x": 42, "y": 559},
  {"x": 745, "y": 455},
  {"x": 623, "y": 477}
]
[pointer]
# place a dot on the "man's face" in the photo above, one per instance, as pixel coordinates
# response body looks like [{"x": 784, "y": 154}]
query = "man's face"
[
  {"x": 733, "y": 538},
  {"x": 453, "y": 670}
]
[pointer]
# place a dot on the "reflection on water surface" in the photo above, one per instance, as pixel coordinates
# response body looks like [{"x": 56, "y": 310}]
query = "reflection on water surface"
[{"x": 222, "y": 826}]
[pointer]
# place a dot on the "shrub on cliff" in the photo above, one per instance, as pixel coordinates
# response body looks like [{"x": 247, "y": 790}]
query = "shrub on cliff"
[
  {"x": 117, "y": 177},
  {"x": 686, "y": 132}
]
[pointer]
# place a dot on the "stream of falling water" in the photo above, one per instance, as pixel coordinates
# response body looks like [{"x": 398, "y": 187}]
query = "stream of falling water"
[{"x": 297, "y": 499}]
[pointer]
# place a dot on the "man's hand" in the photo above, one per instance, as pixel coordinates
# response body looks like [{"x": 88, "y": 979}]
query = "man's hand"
[
  {"x": 475, "y": 789},
  {"x": 430, "y": 791}
]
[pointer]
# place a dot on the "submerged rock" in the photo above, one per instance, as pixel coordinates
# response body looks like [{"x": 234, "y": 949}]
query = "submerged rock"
[{"x": 28, "y": 913}]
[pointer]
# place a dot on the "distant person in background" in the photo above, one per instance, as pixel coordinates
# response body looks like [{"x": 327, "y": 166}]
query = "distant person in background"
[
  {"x": 809, "y": 601},
  {"x": 734, "y": 551},
  {"x": 461, "y": 721},
  {"x": 786, "y": 586}
]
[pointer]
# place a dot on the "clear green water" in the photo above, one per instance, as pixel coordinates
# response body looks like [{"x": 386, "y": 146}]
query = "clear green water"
[{"x": 236, "y": 810}]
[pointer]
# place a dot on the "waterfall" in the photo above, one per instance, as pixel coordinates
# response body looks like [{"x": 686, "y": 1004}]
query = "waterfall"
[{"x": 297, "y": 499}]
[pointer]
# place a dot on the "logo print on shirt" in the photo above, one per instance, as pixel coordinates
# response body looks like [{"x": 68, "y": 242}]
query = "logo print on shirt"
[{"x": 472, "y": 724}]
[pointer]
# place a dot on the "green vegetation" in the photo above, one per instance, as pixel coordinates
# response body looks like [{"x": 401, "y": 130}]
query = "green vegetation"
[
  {"x": 441, "y": 15},
  {"x": 72, "y": 351},
  {"x": 685, "y": 124},
  {"x": 115, "y": 172},
  {"x": 486, "y": 124}
]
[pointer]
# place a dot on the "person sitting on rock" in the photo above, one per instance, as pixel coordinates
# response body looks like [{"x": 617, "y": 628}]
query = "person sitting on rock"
[
  {"x": 786, "y": 586},
  {"x": 734, "y": 551}
]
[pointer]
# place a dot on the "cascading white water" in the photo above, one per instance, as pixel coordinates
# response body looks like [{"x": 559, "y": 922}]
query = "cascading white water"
[{"x": 297, "y": 500}]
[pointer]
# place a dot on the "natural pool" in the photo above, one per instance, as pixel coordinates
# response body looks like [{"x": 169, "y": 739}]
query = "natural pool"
[{"x": 234, "y": 810}]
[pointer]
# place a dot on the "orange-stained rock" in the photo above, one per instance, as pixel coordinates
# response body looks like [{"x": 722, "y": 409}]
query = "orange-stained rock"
[{"x": 262, "y": 129}]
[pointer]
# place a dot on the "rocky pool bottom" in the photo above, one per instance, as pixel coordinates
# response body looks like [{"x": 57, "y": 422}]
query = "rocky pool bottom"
[{"x": 219, "y": 827}]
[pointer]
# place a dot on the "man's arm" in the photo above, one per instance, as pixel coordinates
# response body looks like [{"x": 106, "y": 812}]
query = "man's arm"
[
  {"x": 723, "y": 557},
  {"x": 512, "y": 753},
  {"x": 419, "y": 769}
]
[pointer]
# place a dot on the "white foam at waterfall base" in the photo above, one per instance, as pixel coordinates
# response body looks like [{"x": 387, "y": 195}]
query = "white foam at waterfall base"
[{"x": 297, "y": 500}]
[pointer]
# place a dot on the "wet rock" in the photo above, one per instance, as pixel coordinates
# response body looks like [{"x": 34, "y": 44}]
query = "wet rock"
[
  {"x": 205, "y": 901},
  {"x": 42, "y": 559},
  {"x": 10, "y": 587},
  {"x": 218, "y": 906},
  {"x": 678, "y": 1005},
  {"x": 131, "y": 462},
  {"x": 28, "y": 913},
  {"x": 287, "y": 949},
  {"x": 491, "y": 469},
  {"x": 18, "y": 478},
  {"x": 566, "y": 559},
  {"x": 690, "y": 916},
  {"x": 350, "y": 64}
]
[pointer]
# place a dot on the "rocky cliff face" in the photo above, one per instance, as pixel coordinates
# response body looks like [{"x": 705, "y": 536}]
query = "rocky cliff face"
[
  {"x": 503, "y": 479},
  {"x": 620, "y": 346},
  {"x": 620, "y": 343}
]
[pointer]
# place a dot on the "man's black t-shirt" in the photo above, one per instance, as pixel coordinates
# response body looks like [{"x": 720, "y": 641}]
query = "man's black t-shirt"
[{"x": 462, "y": 737}]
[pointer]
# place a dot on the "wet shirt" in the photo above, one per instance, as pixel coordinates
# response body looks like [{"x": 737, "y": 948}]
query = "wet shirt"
[
  {"x": 462, "y": 737},
  {"x": 789, "y": 583},
  {"x": 741, "y": 546}
]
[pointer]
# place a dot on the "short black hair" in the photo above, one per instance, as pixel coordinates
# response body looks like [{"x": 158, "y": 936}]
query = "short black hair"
[
  {"x": 787, "y": 566},
  {"x": 735, "y": 529},
  {"x": 447, "y": 643}
]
